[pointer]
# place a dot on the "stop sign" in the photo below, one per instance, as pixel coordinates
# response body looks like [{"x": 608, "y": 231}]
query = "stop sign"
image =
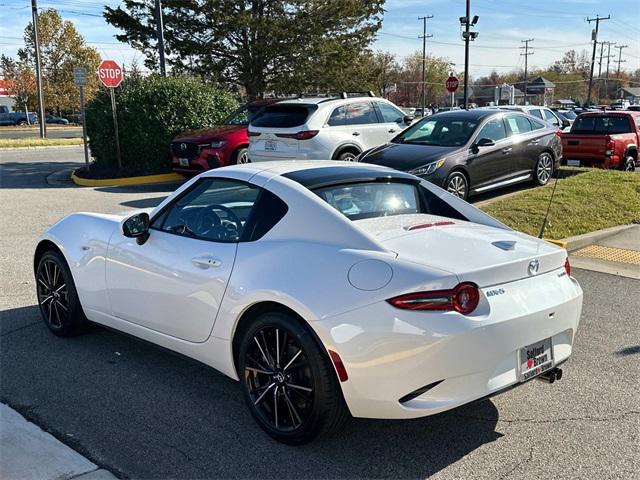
[
  {"x": 451, "y": 84},
  {"x": 110, "y": 73}
]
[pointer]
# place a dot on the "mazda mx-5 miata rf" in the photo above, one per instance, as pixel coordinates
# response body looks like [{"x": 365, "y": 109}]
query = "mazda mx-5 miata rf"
[{"x": 329, "y": 289}]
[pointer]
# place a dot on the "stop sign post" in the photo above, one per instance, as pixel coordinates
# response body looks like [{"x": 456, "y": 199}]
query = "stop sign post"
[
  {"x": 452, "y": 85},
  {"x": 110, "y": 74}
]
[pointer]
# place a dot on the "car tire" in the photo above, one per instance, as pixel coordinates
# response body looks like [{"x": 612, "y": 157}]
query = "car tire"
[
  {"x": 241, "y": 156},
  {"x": 629, "y": 164},
  {"x": 291, "y": 415},
  {"x": 544, "y": 169},
  {"x": 21, "y": 122},
  {"x": 57, "y": 296},
  {"x": 348, "y": 156},
  {"x": 457, "y": 184}
]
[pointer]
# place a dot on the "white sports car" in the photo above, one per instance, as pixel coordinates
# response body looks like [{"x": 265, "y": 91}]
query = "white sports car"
[{"x": 328, "y": 289}]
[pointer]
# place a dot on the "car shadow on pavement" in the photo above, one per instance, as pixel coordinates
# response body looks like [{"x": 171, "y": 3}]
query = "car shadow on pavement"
[{"x": 147, "y": 413}]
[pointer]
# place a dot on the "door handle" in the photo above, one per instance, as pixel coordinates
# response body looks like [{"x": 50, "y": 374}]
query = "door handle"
[
  {"x": 393, "y": 130},
  {"x": 206, "y": 261},
  {"x": 506, "y": 150},
  {"x": 534, "y": 142},
  {"x": 356, "y": 134}
]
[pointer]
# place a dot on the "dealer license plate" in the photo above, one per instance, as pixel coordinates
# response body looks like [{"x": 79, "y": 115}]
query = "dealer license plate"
[
  {"x": 573, "y": 163},
  {"x": 535, "y": 359},
  {"x": 184, "y": 162},
  {"x": 270, "y": 145}
]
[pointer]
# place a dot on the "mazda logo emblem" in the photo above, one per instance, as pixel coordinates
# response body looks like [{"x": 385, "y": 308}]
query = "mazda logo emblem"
[
  {"x": 534, "y": 266},
  {"x": 183, "y": 146}
]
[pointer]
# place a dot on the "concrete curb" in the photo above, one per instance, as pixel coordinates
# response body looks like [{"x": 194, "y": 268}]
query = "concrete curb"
[
  {"x": 3, "y": 149},
  {"x": 31, "y": 453},
  {"x": 117, "y": 182},
  {"x": 579, "y": 241}
]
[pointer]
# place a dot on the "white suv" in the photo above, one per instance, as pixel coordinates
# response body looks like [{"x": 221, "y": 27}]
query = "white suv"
[{"x": 325, "y": 128}]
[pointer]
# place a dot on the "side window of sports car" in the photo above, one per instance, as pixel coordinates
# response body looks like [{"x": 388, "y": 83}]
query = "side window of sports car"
[{"x": 213, "y": 209}]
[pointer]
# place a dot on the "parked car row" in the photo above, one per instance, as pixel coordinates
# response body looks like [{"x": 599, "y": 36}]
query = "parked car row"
[
  {"x": 22, "y": 118},
  {"x": 466, "y": 152}
]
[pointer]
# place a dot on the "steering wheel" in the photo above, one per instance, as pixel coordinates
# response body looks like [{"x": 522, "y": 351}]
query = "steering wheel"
[{"x": 208, "y": 220}]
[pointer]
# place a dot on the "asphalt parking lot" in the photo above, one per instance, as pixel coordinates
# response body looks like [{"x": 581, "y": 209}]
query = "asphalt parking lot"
[{"x": 142, "y": 412}]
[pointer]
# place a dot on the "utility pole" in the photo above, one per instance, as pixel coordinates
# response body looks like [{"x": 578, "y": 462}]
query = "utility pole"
[
  {"x": 36, "y": 39},
  {"x": 620, "y": 47},
  {"x": 160, "y": 34},
  {"x": 424, "y": 61},
  {"x": 526, "y": 65},
  {"x": 594, "y": 37},
  {"x": 468, "y": 36},
  {"x": 600, "y": 69},
  {"x": 606, "y": 77}
]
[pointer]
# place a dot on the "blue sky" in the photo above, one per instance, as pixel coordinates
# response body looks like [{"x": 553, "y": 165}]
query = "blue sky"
[{"x": 555, "y": 25}]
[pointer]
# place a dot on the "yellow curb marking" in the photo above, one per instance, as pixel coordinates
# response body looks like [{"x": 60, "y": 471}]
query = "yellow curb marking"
[{"x": 116, "y": 182}]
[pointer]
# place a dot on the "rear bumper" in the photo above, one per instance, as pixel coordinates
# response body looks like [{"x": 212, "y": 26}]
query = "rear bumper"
[{"x": 390, "y": 353}]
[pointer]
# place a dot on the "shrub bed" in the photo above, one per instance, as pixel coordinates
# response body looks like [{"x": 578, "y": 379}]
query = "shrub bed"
[{"x": 151, "y": 111}]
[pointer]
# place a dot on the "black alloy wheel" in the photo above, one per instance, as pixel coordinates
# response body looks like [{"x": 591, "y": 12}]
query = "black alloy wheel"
[
  {"x": 57, "y": 296},
  {"x": 457, "y": 185},
  {"x": 289, "y": 384},
  {"x": 544, "y": 169}
]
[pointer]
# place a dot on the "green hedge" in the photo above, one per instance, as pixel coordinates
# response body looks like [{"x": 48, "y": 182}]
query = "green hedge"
[{"x": 151, "y": 111}]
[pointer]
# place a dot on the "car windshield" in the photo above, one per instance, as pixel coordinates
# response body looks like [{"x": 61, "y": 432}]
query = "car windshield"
[
  {"x": 601, "y": 124},
  {"x": 244, "y": 115},
  {"x": 444, "y": 131},
  {"x": 369, "y": 200}
]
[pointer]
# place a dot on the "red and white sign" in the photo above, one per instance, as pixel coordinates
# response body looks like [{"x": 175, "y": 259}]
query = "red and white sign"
[
  {"x": 110, "y": 73},
  {"x": 452, "y": 84}
]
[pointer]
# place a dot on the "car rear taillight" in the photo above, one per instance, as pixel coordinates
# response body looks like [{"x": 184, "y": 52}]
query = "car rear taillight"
[
  {"x": 567, "y": 266},
  {"x": 611, "y": 145},
  {"x": 558, "y": 133},
  {"x": 464, "y": 299},
  {"x": 254, "y": 134},
  {"x": 304, "y": 135}
]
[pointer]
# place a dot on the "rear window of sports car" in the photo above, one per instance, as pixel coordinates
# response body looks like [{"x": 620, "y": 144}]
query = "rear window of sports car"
[{"x": 362, "y": 200}]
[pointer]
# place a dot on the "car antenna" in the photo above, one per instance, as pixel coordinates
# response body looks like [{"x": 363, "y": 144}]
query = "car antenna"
[{"x": 546, "y": 215}]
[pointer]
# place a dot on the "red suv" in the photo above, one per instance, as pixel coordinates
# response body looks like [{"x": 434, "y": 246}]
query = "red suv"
[
  {"x": 195, "y": 151},
  {"x": 603, "y": 139}
]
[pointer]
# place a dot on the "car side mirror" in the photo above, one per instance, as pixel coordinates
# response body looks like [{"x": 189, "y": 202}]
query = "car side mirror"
[
  {"x": 485, "y": 142},
  {"x": 137, "y": 226},
  {"x": 566, "y": 123},
  {"x": 408, "y": 119}
]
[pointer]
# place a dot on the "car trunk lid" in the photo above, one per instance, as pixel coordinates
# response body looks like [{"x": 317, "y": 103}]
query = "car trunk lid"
[{"x": 475, "y": 253}]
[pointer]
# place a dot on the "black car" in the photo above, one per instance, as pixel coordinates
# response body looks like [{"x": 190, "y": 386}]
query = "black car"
[{"x": 469, "y": 152}]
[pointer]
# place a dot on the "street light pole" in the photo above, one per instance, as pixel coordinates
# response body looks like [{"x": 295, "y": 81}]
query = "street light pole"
[
  {"x": 36, "y": 39},
  {"x": 468, "y": 36},
  {"x": 466, "y": 54}
]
